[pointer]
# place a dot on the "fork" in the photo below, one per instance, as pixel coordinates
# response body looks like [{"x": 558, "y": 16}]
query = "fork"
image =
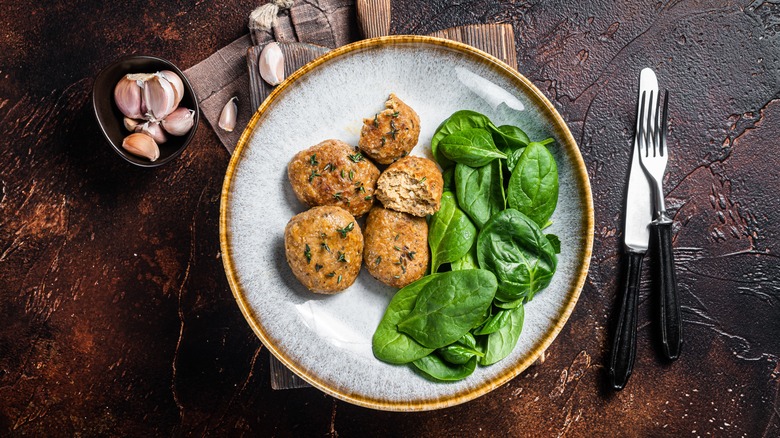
[{"x": 654, "y": 155}]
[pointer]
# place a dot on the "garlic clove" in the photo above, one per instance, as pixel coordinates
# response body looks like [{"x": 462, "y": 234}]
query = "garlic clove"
[
  {"x": 227, "y": 120},
  {"x": 141, "y": 145},
  {"x": 159, "y": 97},
  {"x": 127, "y": 95},
  {"x": 176, "y": 82},
  {"x": 271, "y": 64},
  {"x": 179, "y": 122},
  {"x": 131, "y": 124},
  {"x": 154, "y": 130}
]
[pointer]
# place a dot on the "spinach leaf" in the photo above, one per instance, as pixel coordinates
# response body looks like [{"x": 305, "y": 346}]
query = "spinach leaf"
[
  {"x": 512, "y": 158},
  {"x": 508, "y": 304},
  {"x": 555, "y": 242},
  {"x": 501, "y": 342},
  {"x": 434, "y": 368},
  {"x": 533, "y": 187},
  {"x": 449, "y": 306},
  {"x": 449, "y": 179},
  {"x": 495, "y": 322},
  {"x": 509, "y": 138},
  {"x": 480, "y": 191},
  {"x": 450, "y": 233},
  {"x": 390, "y": 345},
  {"x": 512, "y": 246},
  {"x": 468, "y": 340},
  {"x": 473, "y": 147},
  {"x": 468, "y": 261},
  {"x": 458, "y": 353},
  {"x": 458, "y": 121}
]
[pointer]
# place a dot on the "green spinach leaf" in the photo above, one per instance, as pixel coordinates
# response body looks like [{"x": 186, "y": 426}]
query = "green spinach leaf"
[
  {"x": 390, "y": 345},
  {"x": 508, "y": 304},
  {"x": 458, "y": 121},
  {"x": 555, "y": 242},
  {"x": 513, "y": 247},
  {"x": 509, "y": 138},
  {"x": 450, "y": 233},
  {"x": 480, "y": 191},
  {"x": 473, "y": 147},
  {"x": 449, "y": 306},
  {"x": 502, "y": 341},
  {"x": 533, "y": 187},
  {"x": 434, "y": 368},
  {"x": 458, "y": 353},
  {"x": 495, "y": 322},
  {"x": 449, "y": 179},
  {"x": 468, "y": 261}
]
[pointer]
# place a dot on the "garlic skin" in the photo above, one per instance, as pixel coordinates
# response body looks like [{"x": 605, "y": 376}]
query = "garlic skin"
[
  {"x": 159, "y": 97},
  {"x": 176, "y": 82},
  {"x": 141, "y": 145},
  {"x": 131, "y": 124},
  {"x": 179, "y": 122},
  {"x": 227, "y": 120},
  {"x": 271, "y": 64},
  {"x": 154, "y": 130},
  {"x": 127, "y": 95}
]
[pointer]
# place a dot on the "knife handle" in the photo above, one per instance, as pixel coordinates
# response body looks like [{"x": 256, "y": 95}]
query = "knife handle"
[
  {"x": 666, "y": 283},
  {"x": 624, "y": 343}
]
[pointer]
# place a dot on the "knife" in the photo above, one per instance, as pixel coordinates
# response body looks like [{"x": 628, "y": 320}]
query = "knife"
[{"x": 638, "y": 214}]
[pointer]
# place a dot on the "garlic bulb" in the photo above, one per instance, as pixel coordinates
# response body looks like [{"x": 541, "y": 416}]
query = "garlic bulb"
[
  {"x": 176, "y": 82},
  {"x": 141, "y": 145},
  {"x": 271, "y": 64},
  {"x": 159, "y": 97},
  {"x": 127, "y": 95},
  {"x": 179, "y": 122},
  {"x": 131, "y": 124},
  {"x": 227, "y": 120},
  {"x": 154, "y": 130}
]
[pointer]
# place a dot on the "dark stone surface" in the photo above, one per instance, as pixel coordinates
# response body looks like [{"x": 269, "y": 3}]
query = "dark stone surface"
[{"x": 116, "y": 317}]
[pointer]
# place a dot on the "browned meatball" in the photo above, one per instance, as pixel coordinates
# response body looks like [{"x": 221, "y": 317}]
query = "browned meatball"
[
  {"x": 412, "y": 185},
  {"x": 396, "y": 248},
  {"x": 390, "y": 134},
  {"x": 324, "y": 248},
  {"x": 334, "y": 173}
]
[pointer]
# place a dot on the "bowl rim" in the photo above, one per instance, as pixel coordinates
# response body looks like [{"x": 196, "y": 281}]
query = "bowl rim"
[
  {"x": 187, "y": 89},
  {"x": 575, "y": 287}
]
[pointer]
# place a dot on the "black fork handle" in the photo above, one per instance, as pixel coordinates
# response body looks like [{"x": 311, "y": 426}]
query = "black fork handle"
[
  {"x": 624, "y": 343},
  {"x": 666, "y": 283}
]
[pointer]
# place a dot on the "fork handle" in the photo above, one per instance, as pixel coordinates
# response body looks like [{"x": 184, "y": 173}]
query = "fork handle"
[
  {"x": 624, "y": 343},
  {"x": 666, "y": 283}
]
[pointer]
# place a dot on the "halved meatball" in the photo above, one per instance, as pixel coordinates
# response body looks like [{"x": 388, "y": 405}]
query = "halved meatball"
[
  {"x": 412, "y": 185},
  {"x": 390, "y": 134},
  {"x": 396, "y": 246},
  {"x": 324, "y": 248},
  {"x": 334, "y": 173}
]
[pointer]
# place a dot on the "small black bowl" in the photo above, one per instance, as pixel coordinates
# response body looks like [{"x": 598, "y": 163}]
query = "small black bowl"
[{"x": 111, "y": 120}]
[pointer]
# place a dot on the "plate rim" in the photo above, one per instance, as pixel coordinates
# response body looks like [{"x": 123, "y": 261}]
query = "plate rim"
[{"x": 571, "y": 149}]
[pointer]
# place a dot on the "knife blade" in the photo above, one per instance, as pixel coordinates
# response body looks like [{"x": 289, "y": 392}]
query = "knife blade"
[{"x": 638, "y": 213}]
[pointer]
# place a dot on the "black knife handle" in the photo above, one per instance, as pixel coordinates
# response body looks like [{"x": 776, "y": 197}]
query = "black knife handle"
[
  {"x": 666, "y": 283},
  {"x": 624, "y": 343}
]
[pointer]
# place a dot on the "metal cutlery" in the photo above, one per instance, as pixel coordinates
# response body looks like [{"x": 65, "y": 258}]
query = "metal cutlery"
[
  {"x": 654, "y": 154},
  {"x": 638, "y": 214}
]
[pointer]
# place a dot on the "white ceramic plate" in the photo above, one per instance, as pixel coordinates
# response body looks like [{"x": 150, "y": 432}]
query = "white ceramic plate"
[{"x": 327, "y": 339}]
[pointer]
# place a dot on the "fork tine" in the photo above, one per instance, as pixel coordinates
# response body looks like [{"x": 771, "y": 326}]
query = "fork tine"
[
  {"x": 663, "y": 126},
  {"x": 640, "y": 132},
  {"x": 650, "y": 127},
  {"x": 657, "y": 137}
]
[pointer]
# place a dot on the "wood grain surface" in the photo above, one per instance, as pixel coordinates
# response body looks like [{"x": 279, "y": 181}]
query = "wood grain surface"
[{"x": 116, "y": 317}]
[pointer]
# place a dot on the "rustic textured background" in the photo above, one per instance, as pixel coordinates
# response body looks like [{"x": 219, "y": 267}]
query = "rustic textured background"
[{"x": 116, "y": 318}]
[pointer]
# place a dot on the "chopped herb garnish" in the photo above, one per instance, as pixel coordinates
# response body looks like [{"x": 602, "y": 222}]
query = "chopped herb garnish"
[
  {"x": 313, "y": 160},
  {"x": 357, "y": 157},
  {"x": 314, "y": 174},
  {"x": 368, "y": 198},
  {"x": 393, "y": 129},
  {"x": 331, "y": 275},
  {"x": 411, "y": 255},
  {"x": 307, "y": 253},
  {"x": 342, "y": 258},
  {"x": 329, "y": 168},
  {"x": 342, "y": 173},
  {"x": 323, "y": 235},
  {"x": 351, "y": 175},
  {"x": 337, "y": 196},
  {"x": 376, "y": 120},
  {"x": 325, "y": 246},
  {"x": 338, "y": 280},
  {"x": 423, "y": 179},
  {"x": 378, "y": 260},
  {"x": 345, "y": 230},
  {"x": 395, "y": 114},
  {"x": 395, "y": 247},
  {"x": 397, "y": 236},
  {"x": 361, "y": 189},
  {"x": 317, "y": 267},
  {"x": 403, "y": 269},
  {"x": 384, "y": 140}
]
